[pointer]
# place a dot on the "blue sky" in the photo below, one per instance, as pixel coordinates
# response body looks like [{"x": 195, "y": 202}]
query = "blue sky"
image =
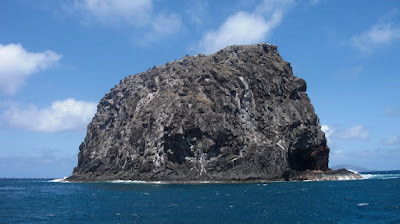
[{"x": 59, "y": 58}]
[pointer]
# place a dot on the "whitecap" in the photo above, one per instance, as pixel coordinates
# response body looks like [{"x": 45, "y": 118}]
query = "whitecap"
[
  {"x": 353, "y": 171},
  {"x": 62, "y": 180},
  {"x": 381, "y": 176},
  {"x": 362, "y": 204},
  {"x": 347, "y": 178},
  {"x": 135, "y": 182}
]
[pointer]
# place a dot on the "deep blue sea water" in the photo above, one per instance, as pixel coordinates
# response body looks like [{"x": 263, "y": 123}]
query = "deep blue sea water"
[{"x": 373, "y": 200}]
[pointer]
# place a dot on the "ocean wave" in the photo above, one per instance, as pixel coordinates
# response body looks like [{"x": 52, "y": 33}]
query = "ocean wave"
[
  {"x": 169, "y": 182},
  {"x": 344, "y": 177},
  {"x": 135, "y": 182},
  {"x": 380, "y": 176},
  {"x": 348, "y": 178},
  {"x": 61, "y": 180},
  {"x": 353, "y": 171}
]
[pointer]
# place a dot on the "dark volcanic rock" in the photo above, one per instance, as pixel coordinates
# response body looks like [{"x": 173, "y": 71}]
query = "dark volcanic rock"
[
  {"x": 317, "y": 175},
  {"x": 238, "y": 114}
]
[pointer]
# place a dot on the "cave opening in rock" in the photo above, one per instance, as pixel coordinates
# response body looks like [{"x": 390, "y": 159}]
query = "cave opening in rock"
[
  {"x": 309, "y": 159},
  {"x": 301, "y": 160}
]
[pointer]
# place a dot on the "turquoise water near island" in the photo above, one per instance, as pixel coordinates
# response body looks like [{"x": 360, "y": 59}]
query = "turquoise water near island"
[{"x": 375, "y": 199}]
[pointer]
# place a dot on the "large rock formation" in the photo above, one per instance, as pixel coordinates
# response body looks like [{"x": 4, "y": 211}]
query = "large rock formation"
[{"x": 237, "y": 114}]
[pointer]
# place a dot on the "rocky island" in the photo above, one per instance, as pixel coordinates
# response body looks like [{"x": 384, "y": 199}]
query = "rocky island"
[{"x": 236, "y": 115}]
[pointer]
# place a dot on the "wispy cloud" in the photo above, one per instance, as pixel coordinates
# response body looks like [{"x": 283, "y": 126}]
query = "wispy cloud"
[
  {"x": 359, "y": 132},
  {"x": 328, "y": 132},
  {"x": 392, "y": 140},
  {"x": 338, "y": 154},
  {"x": 137, "y": 14},
  {"x": 17, "y": 64},
  {"x": 379, "y": 34},
  {"x": 391, "y": 111},
  {"x": 246, "y": 27},
  {"x": 314, "y": 2},
  {"x": 61, "y": 116},
  {"x": 348, "y": 73},
  {"x": 196, "y": 11}
]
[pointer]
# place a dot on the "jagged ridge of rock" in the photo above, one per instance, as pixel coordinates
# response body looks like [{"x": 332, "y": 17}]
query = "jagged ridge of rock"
[{"x": 238, "y": 114}]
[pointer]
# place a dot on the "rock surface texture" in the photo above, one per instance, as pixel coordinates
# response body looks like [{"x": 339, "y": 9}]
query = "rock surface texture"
[{"x": 236, "y": 115}]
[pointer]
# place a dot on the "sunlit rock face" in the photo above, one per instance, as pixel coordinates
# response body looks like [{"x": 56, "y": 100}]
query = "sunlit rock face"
[{"x": 238, "y": 114}]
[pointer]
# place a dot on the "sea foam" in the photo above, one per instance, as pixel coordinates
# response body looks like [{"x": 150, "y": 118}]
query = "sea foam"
[
  {"x": 62, "y": 180},
  {"x": 135, "y": 182},
  {"x": 380, "y": 176}
]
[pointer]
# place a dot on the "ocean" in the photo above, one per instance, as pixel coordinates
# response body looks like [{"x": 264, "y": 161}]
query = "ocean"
[{"x": 375, "y": 199}]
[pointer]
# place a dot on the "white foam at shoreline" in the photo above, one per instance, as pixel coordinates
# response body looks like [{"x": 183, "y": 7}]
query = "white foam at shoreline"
[
  {"x": 166, "y": 182},
  {"x": 62, "y": 180},
  {"x": 135, "y": 182},
  {"x": 348, "y": 178},
  {"x": 353, "y": 171},
  {"x": 339, "y": 178},
  {"x": 380, "y": 176}
]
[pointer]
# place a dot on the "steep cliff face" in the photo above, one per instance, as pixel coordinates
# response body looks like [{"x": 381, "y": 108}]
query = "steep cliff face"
[{"x": 238, "y": 114}]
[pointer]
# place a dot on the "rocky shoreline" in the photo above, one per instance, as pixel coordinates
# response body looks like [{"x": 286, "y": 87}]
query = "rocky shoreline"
[
  {"x": 341, "y": 174},
  {"x": 330, "y": 175}
]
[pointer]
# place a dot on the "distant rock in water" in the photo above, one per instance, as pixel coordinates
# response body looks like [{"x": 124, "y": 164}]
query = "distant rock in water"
[{"x": 236, "y": 115}]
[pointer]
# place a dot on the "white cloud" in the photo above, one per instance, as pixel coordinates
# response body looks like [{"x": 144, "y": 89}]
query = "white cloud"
[
  {"x": 166, "y": 23},
  {"x": 196, "y": 11},
  {"x": 246, "y": 28},
  {"x": 66, "y": 115},
  {"x": 378, "y": 34},
  {"x": 392, "y": 140},
  {"x": 327, "y": 130},
  {"x": 107, "y": 11},
  {"x": 17, "y": 64},
  {"x": 338, "y": 154},
  {"x": 241, "y": 28},
  {"x": 356, "y": 132},
  {"x": 137, "y": 13}
]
